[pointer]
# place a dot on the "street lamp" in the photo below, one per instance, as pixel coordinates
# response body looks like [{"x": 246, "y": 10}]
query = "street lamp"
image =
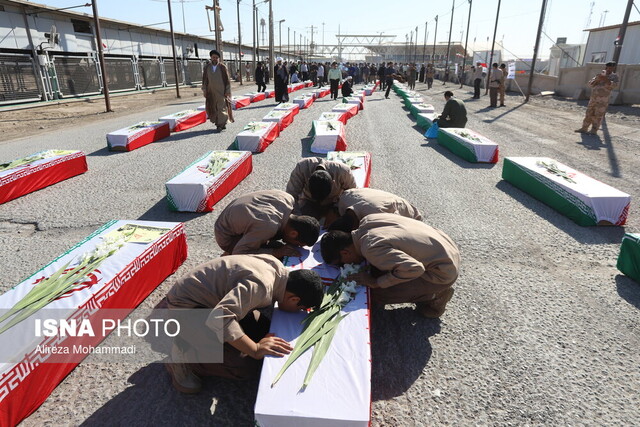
[{"x": 280, "y": 35}]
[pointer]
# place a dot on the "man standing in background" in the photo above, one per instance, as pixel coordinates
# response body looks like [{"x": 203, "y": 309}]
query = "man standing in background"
[
  {"x": 216, "y": 89},
  {"x": 601, "y": 87},
  {"x": 477, "y": 80},
  {"x": 494, "y": 84}
]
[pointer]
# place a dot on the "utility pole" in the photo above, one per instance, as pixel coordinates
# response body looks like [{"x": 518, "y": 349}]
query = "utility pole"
[
  {"x": 272, "y": 62},
  {"x": 288, "y": 45},
  {"x": 435, "y": 37},
  {"x": 424, "y": 48},
  {"x": 218, "y": 24},
  {"x": 623, "y": 30},
  {"x": 280, "y": 35},
  {"x": 410, "y": 46},
  {"x": 466, "y": 41},
  {"x": 323, "y": 34},
  {"x": 535, "y": 50},
  {"x": 415, "y": 47},
  {"x": 105, "y": 86},
  {"x": 311, "y": 45},
  {"x": 294, "y": 43},
  {"x": 255, "y": 35},
  {"x": 239, "y": 44},
  {"x": 493, "y": 44},
  {"x": 446, "y": 64}
]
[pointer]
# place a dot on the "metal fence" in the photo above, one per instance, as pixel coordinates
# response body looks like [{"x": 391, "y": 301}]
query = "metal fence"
[
  {"x": 18, "y": 81},
  {"x": 121, "y": 74},
  {"x": 64, "y": 76},
  {"x": 150, "y": 73},
  {"x": 76, "y": 75},
  {"x": 170, "y": 73}
]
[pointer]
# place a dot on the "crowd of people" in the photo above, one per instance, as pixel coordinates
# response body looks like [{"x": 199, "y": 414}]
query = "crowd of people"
[{"x": 408, "y": 262}]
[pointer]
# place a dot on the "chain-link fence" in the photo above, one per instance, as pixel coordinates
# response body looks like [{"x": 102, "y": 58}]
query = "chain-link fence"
[
  {"x": 76, "y": 75},
  {"x": 120, "y": 74},
  {"x": 18, "y": 81},
  {"x": 193, "y": 71},
  {"x": 150, "y": 73},
  {"x": 170, "y": 72}
]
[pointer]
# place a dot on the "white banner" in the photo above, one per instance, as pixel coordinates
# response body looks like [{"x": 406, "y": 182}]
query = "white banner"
[{"x": 512, "y": 70}]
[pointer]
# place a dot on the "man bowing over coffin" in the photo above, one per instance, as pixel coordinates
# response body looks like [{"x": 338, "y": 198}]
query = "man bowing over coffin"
[
  {"x": 253, "y": 223},
  {"x": 235, "y": 287},
  {"x": 411, "y": 261},
  {"x": 316, "y": 184},
  {"x": 356, "y": 203}
]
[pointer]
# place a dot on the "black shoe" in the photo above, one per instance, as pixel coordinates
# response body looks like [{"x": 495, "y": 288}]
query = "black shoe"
[{"x": 223, "y": 127}]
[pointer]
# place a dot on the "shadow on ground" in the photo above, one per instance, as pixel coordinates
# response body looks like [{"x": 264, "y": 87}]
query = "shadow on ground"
[
  {"x": 151, "y": 400},
  {"x": 433, "y": 143},
  {"x": 629, "y": 290},
  {"x": 160, "y": 212},
  {"x": 395, "y": 368},
  {"x": 587, "y": 235}
]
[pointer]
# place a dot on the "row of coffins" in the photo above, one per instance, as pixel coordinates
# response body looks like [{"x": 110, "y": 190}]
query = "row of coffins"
[
  {"x": 328, "y": 131},
  {"x": 207, "y": 180},
  {"x": 585, "y": 200},
  {"x": 342, "y": 381}
]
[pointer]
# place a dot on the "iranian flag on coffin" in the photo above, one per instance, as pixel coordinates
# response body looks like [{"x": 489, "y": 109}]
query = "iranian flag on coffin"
[
  {"x": 152, "y": 252},
  {"x": 290, "y": 88},
  {"x": 270, "y": 93},
  {"x": 425, "y": 120},
  {"x": 138, "y": 135},
  {"x": 324, "y": 92},
  {"x": 308, "y": 83},
  {"x": 238, "y": 102},
  {"x": 355, "y": 101},
  {"x": 328, "y": 136},
  {"x": 256, "y": 136},
  {"x": 207, "y": 180},
  {"x": 28, "y": 174},
  {"x": 256, "y": 96},
  {"x": 349, "y": 110},
  {"x": 416, "y": 109},
  {"x": 303, "y": 101},
  {"x": 184, "y": 119},
  {"x": 369, "y": 89},
  {"x": 358, "y": 161},
  {"x": 283, "y": 117},
  {"x": 298, "y": 86},
  {"x": 629, "y": 258},
  {"x": 469, "y": 145},
  {"x": 574, "y": 194},
  {"x": 330, "y": 115},
  {"x": 288, "y": 106},
  {"x": 342, "y": 380},
  {"x": 202, "y": 107}
]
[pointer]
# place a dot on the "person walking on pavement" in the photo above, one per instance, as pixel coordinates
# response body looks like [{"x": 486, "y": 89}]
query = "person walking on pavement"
[
  {"x": 216, "y": 89},
  {"x": 259, "y": 77},
  {"x": 601, "y": 87},
  {"x": 320, "y": 73},
  {"x": 281, "y": 78},
  {"x": 389, "y": 74},
  {"x": 429, "y": 73}
]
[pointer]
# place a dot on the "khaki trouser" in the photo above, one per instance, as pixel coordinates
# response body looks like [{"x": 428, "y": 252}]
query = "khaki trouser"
[
  {"x": 417, "y": 290},
  {"x": 595, "y": 112}
]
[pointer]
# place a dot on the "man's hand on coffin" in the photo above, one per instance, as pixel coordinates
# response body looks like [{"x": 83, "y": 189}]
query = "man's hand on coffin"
[
  {"x": 287, "y": 250},
  {"x": 364, "y": 279},
  {"x": 271, "y": 345}
]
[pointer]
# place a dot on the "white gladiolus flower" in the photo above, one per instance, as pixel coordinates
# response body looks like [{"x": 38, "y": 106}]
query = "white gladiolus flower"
[
  {"x": 344, "y": 298},
  {"x": 351, "y": 287}
]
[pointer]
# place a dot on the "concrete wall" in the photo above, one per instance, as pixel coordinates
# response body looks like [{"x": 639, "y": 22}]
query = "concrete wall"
[{"x": 572, "y": 82}]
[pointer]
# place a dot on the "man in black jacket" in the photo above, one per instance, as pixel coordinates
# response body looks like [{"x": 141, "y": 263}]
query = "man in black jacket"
[{"x": 454, "y": 114}]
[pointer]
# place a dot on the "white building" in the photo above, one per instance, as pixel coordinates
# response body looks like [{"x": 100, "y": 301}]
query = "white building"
[
  {"x": 563, "y": 55},
  {"x": 600, "y": 44}
]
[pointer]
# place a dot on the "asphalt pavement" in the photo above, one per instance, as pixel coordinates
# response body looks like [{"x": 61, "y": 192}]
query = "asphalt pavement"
[{"x": 542, "y": 329}]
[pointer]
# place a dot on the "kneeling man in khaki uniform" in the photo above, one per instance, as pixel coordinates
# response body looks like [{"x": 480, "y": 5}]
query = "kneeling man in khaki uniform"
[
  {"x": 316, "y": 184},
  {"x": 356, "y": 203},
  {"x": 412, "y": 261},
  {"x": 235, "y": 286},
  {"x": 256, "y": 220}
]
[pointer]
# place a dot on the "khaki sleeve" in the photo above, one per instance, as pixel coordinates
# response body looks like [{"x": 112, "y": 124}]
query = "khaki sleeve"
[
  {"x": 224, "y": 321},
  {"x": 400, "y": 267},
  {"x": 296, "y": 183},
  {"x": 346, "y": 180},
  {"x": 260, "y": 233}
]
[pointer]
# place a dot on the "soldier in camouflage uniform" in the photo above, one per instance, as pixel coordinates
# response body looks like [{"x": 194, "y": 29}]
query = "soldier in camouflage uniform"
[{"x": 601, "y": 87}]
